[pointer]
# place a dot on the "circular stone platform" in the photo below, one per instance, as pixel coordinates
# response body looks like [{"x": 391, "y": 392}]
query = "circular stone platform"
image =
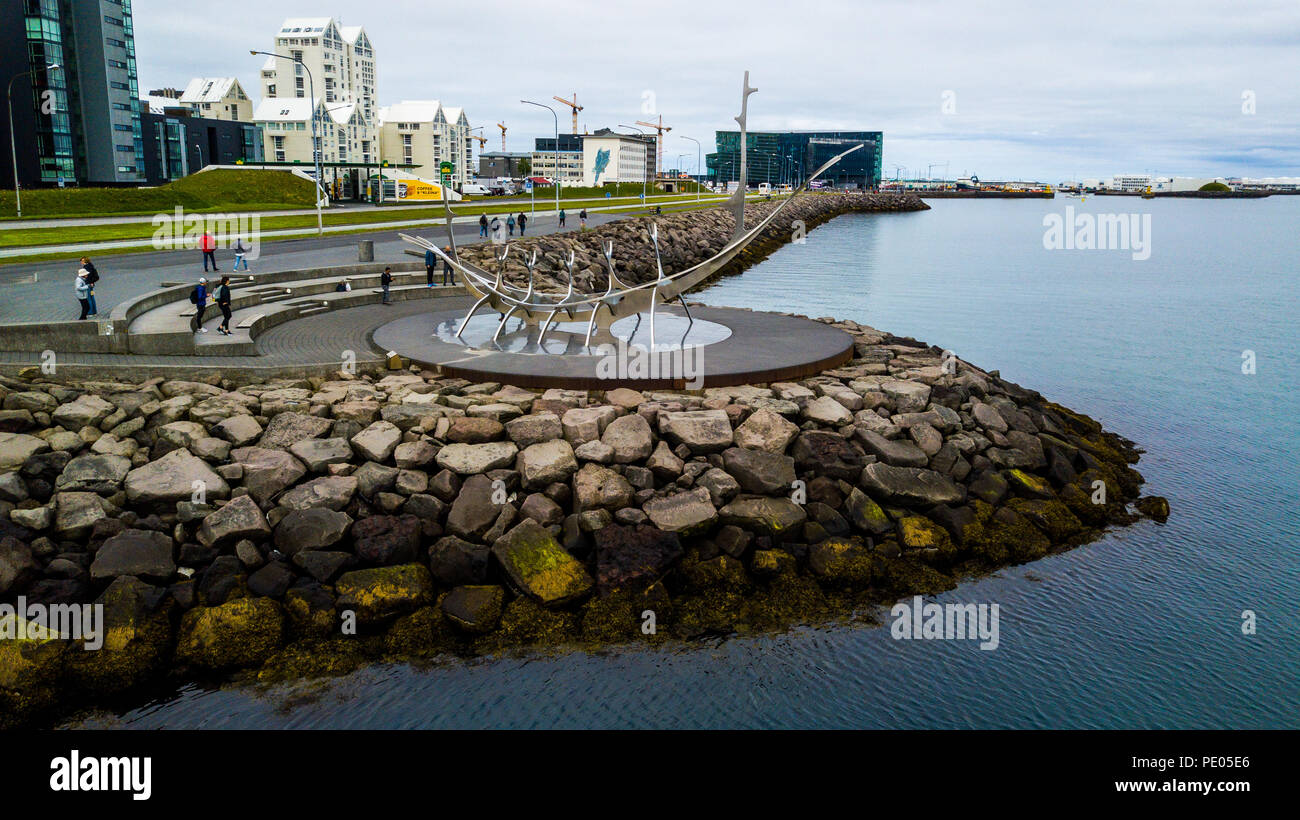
[{"x": 723, "y": 347}]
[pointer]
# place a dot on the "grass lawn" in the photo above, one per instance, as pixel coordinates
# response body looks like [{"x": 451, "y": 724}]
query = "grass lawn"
[{"x": 216, "y": 190}]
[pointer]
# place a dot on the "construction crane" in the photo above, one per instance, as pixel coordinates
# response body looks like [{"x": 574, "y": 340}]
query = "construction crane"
[
  {"x": 502, "y": 126},
  {"x": 660, "y": 128},
  {"x": 574, "y": 105}
]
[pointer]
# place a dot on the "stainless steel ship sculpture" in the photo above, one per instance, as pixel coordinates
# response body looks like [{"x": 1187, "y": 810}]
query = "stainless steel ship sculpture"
[{"x": 620, "y": 299}]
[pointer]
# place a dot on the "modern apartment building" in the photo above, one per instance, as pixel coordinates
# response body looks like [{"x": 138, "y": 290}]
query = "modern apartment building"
[
  {"x": 75, "y": 94},
  {"x": 217, "y": 98},
  {"x": 338, "y": 65},
  {"x": 425, "y": 134}
]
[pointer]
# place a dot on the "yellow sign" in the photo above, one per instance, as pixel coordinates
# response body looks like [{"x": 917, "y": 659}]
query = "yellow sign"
[{"x": 418, "y": 189}]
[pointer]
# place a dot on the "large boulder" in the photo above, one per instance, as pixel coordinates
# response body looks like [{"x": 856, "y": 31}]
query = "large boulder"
[
  {"x": 475, "y": 430},
  {"x": 760, "y": 471},
  {"x": 143, "y": 553},
  {"x": 267, "y": 473},
  {"x": 332, "y": 492},
  {"x": 455, "y": 561},
  {"x": 891, "y": 451},
  {"x": 239, "y": 430},
  {"x": 85, "y": 411},
  {"x": 17, "y": 565},
  {"x": 630, "y": 438},
  {"x": 633, "y": 555},
  {"x": 826, "y": 454},
  {"x": 387, "y": 539},
  {"x": 908, "y": 397},
  {"x": 599, "y": 487},
  {"x": 528, "y": 430},
  {"x": 539, "y": 567},
  {"x": 319, "y": 453},
  {"x": 474, "y": 609},
  {"x": 909, "y": 486},
  {"x": 546, "y": 463},
  {"x": 777, "y": 517},
  {"x": 316, "y": 528},
  {"x": 375, "y": 595},
  {"x": 827, "y": 412},
  {"x": 174, "y": 477},
  {"x": 287, "y": 429},
  {"x": 474, "y": 511},
  {"x": 472, "y": 459},
  {"x": 766, "y": 430},
  {"x": 92, "y": 473},
  {"x": 76, "y": 513},
  {"x": 239, "y": 519},
  {"x": 17, "y": 448},
  {"x": 378, "y": 441},
  {"x": 686, "y": 513},
  {"x": 703, "y": 431},
  {"x": 239, "y": 633}
]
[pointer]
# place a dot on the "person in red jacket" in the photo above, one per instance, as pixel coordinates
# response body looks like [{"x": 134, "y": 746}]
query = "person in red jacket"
[{"x": 209, "y": 247}]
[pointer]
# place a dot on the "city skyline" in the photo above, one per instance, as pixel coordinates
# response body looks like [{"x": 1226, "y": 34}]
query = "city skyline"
[{"x": 1042, "y": 96}]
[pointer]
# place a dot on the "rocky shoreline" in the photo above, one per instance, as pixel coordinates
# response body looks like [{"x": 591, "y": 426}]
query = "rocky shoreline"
[{"x": 306, "y": 527}]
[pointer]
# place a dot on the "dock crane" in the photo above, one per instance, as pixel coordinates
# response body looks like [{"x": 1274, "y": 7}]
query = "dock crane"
[
  {"x": 573, "y": 104},
  {"x": 502, "y": 126},
  {"x": 660, "y": 128}
]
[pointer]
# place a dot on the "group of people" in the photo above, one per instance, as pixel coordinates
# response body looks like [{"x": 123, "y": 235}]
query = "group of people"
[
  {"x": 208, "y": 244},
  {"x": 220, "y": 296},
  {"x": 491, "y": 226}
]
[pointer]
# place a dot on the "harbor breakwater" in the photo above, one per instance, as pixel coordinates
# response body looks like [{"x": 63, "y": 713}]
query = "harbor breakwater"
[{"x": 298, "y": 528}]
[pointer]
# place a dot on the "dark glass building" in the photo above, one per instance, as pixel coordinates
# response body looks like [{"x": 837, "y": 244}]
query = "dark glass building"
[
  {"x": 79, "y": 122},
  {"x": 177, "y": 144},
  {"x": 788, "y": 157}
]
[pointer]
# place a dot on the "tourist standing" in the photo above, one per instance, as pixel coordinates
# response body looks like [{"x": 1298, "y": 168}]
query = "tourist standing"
[
  {"x": 386, "y": 280},
  {"x": 482, "y": 225},
  {"x": 208, "y": 245},
  {"x": 83, "y": 292},
  {"x": 561, "y": 217},
  {"x": 92, "y": 276},
  {"x": 510, "y": 223},
  {"x": 430, "y": 262},
  {"x": 523, "y": 222},
  {"x": 223, "y": 303},
  {"x": 582, "y": 219},
  {"x": 240, "y": 250},
  {"x": 199, "y": 298},
  {"x": 448, "y": 275}
]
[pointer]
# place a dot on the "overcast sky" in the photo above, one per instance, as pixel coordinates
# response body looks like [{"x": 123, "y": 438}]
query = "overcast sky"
[{"x": 1035, "y": 90}]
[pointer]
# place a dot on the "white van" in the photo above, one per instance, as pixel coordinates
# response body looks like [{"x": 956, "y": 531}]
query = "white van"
[
  {"x": 764, "y": 188},
  {"x": 474, "y": 189}
]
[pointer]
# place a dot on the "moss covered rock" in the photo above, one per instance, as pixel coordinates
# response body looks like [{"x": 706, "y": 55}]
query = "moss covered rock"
[
  {"x": 137, "y": 635},
  {"x": 771, "y": 563},
  {"x": 239, "y": 633},
  {"x": 865, "y": 514},
  {"x": 841, "y": 561},
  {"x": 380, "y": 593},
  {"x": 31, "y": 673},
  {"x": 526, "y": 622},
  {"x": 423, "y": 633},
  {"x": 475, "y": 609},
  {"x": 539, "y": 567},
  {"x": 1050, "y": 516},
  {"x": 1028, "y": 484}
]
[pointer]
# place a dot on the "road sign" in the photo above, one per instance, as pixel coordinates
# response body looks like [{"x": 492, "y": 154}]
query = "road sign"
[{"x": 528, "y": 186}]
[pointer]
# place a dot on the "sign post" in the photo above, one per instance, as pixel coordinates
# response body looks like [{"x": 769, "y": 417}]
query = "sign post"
[{"x": 532, "y": 205}]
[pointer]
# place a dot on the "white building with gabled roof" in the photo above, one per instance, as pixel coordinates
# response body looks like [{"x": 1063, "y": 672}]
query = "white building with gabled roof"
[
  {"x": 424, "y": 134},
  {"x": 217, "y": 98}
]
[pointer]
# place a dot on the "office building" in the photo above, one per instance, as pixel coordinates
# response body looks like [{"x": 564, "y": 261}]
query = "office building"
[
  {"x": 613, "y": 157},
  {"x": 78, "y": 123},
  {"x": 543, "y": 159},
  {"x": 177, "y": 144},
  {"x": 497, "y": 164},
  {"x": 789, "y": 157}
]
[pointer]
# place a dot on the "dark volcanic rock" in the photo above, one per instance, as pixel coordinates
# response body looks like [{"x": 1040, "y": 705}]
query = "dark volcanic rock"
[
  {"x": 633, "y": 555},
  {"x": 386, "y": 540}
]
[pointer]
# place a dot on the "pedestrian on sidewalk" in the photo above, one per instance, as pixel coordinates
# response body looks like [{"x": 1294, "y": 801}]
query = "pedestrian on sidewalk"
[
  {"x": 199, "y": 298},
  {"x": 208, "y": 245},
  {"x": 510, "y": 223},
  {"x": 430, "y": 262},
  {"x": 92, "y": 276},
  {"x": 448, "y": 274},
  {"x": 582, "y": 219},
  {"x": 240, "y": 250},
  {"x": 523, "y": 222},
  {"x": 83, "y": 292},
  {"x": 561, "y": 217},
  {"x": 223, "y": 302},
  {"x": 482, "y": 225},
  {"x": 387, "y": 281},
  {"x": 496, "y": 229}
]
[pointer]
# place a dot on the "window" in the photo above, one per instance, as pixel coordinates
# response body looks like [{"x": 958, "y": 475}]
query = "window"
[
  {"x": 113, "y": 21},
  {"x": 119, "y": 86},
  {"x": 126, "y": 149},
  {"x": 117, "y": 64},
  {"x": 122, "y": 106},
  {"x": 113, "y": 42},
  {"x": 120, "y": 127}
]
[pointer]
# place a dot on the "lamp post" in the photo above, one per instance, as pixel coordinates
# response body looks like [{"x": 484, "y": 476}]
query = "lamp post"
[
  {"x": 643, "y": 173},
  {"x": 13, "y": 150},
  {"x": 699, "y": 153},
  {"x": 557, "y": 149},
  {"x": 317, "y": 148}
]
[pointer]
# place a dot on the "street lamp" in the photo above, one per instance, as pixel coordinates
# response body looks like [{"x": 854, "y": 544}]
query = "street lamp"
[
  {"x": 13, "y": 150},
  {"x": 638, "y": 129},
  {"x": 557, "y": 149},
  {"x": 699, "y": 153},
  {"x": 317, "y": 148}
]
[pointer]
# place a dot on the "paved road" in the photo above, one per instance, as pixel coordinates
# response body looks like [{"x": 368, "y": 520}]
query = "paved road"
[{"x": 43, "y": 291}]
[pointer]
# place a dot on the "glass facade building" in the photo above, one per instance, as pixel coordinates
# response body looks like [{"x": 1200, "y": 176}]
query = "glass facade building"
[{"x": 788, "y": 157}]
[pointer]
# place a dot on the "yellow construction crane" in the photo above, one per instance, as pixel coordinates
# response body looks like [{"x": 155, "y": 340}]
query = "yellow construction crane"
[
  {"x": 574, "y": 105},
  {"x": 660, "y": 128},
  {"x": 502, "y": 126},
  {"x": 482, "y": 141}
]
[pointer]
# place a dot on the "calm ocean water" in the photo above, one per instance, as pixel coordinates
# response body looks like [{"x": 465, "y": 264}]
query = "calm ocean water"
[{"x": 1139, "y": 630}]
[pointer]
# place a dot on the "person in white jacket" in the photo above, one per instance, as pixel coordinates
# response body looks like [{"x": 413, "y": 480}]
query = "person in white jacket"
[{"x": 83, "y": 291}]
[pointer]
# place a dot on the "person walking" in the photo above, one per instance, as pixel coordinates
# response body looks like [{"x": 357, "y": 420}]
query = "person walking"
[
  {"x": 510, "y": 223},
  {"x": 386, "y": 280},
  {"x": 83, "y": 292},
  {"x": 222, "y": 297},
  {"x": 523, "y": 222},
  {"x": 496, "y": 229},
  {"x": 448, "y": 275},
  {"x": 430, "y": 262},
  {"x": 208, "y": 245},
  {"x": 92, "y": 276},
  {"x": 199, "y": 298},
  {"x": 482, "y": 225},
  {"x": 582, "y": 219},
  {"x": 240, "y": 250},
  {"x": 561, "y": 217}
]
